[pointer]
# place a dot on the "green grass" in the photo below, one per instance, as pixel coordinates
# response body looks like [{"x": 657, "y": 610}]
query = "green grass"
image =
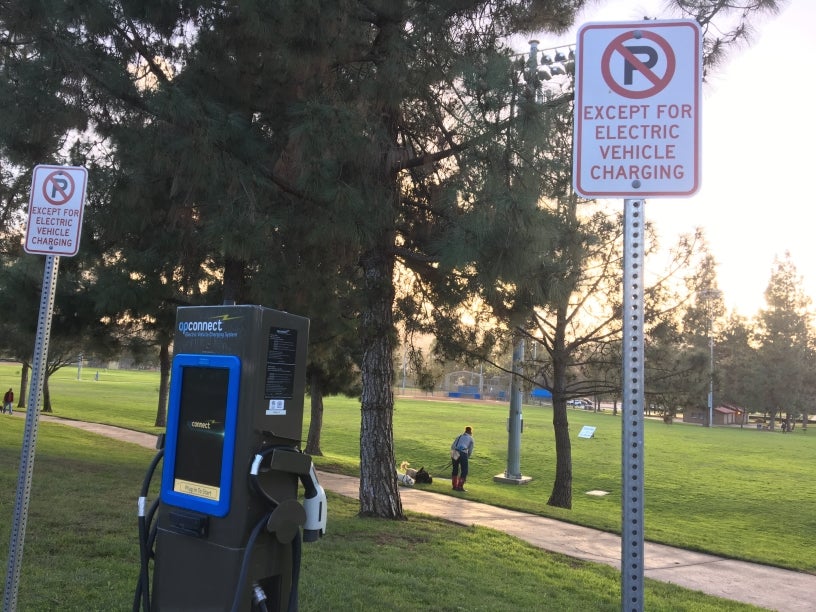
[
  {"x": 81, "y": 551},
  {"x": 739, "y": 493},
  {"x": 732, "y": 492},
  {"x": 744, "y": 494},
  {"x": 122, "y": 398},
  {"x": 80, "y": 546},
  {"x": 426, "y": 564}
]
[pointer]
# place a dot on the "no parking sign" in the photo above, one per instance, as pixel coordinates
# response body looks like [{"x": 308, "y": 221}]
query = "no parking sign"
[
  {"x": 55, "y": 210},
  {"x": 637, "y": 109}
]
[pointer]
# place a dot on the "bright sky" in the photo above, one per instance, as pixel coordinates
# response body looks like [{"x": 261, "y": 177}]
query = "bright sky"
[{"x": 758, "y": 130}]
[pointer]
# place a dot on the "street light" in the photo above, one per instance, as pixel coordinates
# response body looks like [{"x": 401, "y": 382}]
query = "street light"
[
  {"x": 536, "y": 69},
  {"x": 709, "y": 295},
  {"x": 539, "y": 66}
]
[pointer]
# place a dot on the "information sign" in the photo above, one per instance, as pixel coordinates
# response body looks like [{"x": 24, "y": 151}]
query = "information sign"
[{"x": 587, "y": 431}]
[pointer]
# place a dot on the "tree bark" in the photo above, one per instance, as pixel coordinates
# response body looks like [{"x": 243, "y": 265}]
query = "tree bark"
[
  {"x": 46, "y": 405},
  {"x": 21, "y": 399},
  {"x": 316, "y": 422},
  {"x": 234, "y": 270},
  {"x": 164, "y": 384},
  {"x": 561, "y": 496},
  {"x": 379, "y": 495}
]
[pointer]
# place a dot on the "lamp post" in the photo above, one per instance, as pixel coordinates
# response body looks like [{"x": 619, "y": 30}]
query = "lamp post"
[
  {"x": 711, "y": 376},
  {"x": 709, "y": 295},
  {"x": 535, "y": 69}
]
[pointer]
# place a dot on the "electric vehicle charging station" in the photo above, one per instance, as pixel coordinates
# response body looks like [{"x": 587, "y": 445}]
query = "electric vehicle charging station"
[{"x": 228, "y": 522}]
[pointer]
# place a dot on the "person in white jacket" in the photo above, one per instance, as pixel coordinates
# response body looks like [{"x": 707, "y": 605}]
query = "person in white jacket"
[{"x": 461, "y": 451}]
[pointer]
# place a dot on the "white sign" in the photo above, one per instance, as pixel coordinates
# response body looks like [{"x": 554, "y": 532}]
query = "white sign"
[
  {"x": 55, "y": 210},
  {"x": 637, "y": 109},
  {"x": 277, "y": 407},
  {"x": 587, "y": 431}
]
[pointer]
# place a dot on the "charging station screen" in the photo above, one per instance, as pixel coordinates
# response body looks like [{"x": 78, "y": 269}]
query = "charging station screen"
[
  {"x": 202, "y": 421},
  {"x": 202, "y": 414}
]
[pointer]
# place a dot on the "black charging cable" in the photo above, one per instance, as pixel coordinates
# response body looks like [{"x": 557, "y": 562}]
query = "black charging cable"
[
  {"x": 236, "y": 601},
  {"x": 146, "y": 533},
  {"x": 254, "y": 472},
  {"x": 297, "y": 547}
]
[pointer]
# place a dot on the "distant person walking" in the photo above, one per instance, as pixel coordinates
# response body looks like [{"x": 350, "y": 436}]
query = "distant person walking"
[
  {"x": 461, "y": 451},
  {"x": 8, "y": 402}
]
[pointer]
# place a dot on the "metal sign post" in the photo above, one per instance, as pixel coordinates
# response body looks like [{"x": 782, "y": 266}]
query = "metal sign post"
[
  {"x": 632, "y": 561},
  {"x": 20, "y": 517},
  {"x": 55, "y": 210}
]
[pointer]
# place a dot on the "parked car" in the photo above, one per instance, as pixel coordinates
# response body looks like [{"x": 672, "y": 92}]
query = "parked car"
[{"x": 581, "y": 403}]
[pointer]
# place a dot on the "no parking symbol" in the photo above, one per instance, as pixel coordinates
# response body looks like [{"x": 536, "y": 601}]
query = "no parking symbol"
[
  {"x": 637, "y": 109},
  {"x": 638, "y": 59},
  {"x": 58, "y": 187}
]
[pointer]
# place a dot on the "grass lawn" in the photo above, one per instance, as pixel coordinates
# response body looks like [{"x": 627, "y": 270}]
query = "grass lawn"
[
  {"x": 81, "y": 551},
  {"x": 120, "y": 397},
  {"x": 739, "y": 493}
]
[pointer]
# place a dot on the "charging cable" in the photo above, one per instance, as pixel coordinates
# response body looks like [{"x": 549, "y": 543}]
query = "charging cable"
[{"x": 146, "y": 533}]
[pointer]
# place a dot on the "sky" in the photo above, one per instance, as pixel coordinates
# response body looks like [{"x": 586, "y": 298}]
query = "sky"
[{"x": 758, "y": 132}]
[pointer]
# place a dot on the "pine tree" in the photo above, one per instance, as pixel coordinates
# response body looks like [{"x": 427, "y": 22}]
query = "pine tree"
[{"x": 784, "y": 342}]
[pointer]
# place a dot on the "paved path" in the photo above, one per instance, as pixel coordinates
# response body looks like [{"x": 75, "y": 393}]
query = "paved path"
[{"x": 767, "y": 587}]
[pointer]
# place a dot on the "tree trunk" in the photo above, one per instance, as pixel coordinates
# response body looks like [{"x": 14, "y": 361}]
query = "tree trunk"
[
  {"x": 21, "y": 400},
  {"x": 379, "y": 495},
  {"x": 316, "y": 422},
  {"x": 561, "y": 496},
  {"x": 46, "y": 406},
  {"x": 233, "y": 280},
  {"x": 164, "y": 384}
]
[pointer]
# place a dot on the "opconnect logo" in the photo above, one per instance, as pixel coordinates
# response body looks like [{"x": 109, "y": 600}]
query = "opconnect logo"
[
  {"x": 201, "y": 326},
  {"x": 210, "y": 328}
]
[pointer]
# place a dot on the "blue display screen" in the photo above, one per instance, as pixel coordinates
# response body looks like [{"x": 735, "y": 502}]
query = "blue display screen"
[{"x": 200, "y": 440}]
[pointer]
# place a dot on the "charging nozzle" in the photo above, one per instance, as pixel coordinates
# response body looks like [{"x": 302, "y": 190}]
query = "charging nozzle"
[
  {"x": 316, "y": 507},
  {"x": 288, "y": 459}
]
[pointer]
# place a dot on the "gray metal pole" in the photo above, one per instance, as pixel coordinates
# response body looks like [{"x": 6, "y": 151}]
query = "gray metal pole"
[
  {"x": 633, "y": 371},
  {"x": 709, "y": 295},
  {"x": 15, "y": 559},
  {"x": 514, "y": 424},
  {"x": 711, "y": 379}
]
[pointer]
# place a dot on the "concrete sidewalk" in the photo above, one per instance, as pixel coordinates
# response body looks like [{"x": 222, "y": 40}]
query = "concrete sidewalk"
[
  {"x": 760, "y": 585},
  {"x": 767, "y": 587}
]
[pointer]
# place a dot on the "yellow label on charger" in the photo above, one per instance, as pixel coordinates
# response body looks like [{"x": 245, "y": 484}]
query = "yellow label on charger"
[{"x": 197, "y": 489}]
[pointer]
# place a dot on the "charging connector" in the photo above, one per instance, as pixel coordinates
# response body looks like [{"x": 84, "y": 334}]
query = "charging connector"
[{"x": 259, "y": 597}]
